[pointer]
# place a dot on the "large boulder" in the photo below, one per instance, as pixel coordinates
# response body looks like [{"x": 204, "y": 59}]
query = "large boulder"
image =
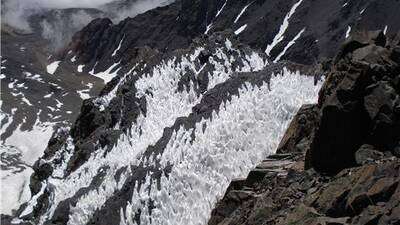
[
  {"x": 358, "y": 104},
  {"x": 367, "y": 154}
]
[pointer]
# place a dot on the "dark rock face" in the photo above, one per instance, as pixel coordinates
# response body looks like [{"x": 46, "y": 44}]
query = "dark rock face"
[
  {"x": 357, "y": 104},
  {"x": 174, "y": 26}
]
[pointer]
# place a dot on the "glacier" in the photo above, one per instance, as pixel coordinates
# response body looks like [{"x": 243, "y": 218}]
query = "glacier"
[{"x": 189, "y": 158}]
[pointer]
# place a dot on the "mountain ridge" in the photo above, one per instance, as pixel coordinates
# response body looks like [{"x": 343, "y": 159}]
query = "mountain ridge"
[{"x": 168, "y": 74}]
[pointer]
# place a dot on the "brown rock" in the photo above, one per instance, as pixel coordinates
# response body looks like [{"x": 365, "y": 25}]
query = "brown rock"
[
  {"x": 367, "y": 154},
  {"x": 297, "y": 136}
]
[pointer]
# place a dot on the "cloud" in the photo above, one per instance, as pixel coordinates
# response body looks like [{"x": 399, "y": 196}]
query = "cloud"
[
  {"x": 60, "y": 27},
  {"x": 62, "y": 4},
  {"x": 138, "y": 7},
  {"x": 15, "y": 13}
]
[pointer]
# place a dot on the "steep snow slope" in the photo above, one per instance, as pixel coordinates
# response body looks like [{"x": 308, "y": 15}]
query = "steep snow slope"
[{"x": 163, "y": 142}]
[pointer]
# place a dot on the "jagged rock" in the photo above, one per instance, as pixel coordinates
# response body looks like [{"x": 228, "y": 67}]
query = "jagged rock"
[
  {"x": 371, "y": 54},
  {"x": 367, "y": 154},
  {"x": 355, "y": 196},
  {"x": 380, "y": 99},
  {"x": 297, "y": 136},
  {"x": 395, "y": 56},
  {"x": 308, "y": 215},
  {"x": 359, "y": 40},
  {"x": 270, "y": 174},
  {"x": 356, "y": 105}
]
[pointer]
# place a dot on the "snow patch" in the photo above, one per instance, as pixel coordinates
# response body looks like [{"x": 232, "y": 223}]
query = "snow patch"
[
  {"x": 52, "y": 67},
  {"x": 27, "y": 146},
  {"x": 48, "y": 95},
  {"x": 35, "y": 77},
  {"x": 241, "y": 29},
  {"x": 107, "y": 75},
  {"x": 59, "y": 104},
  {"x": 103, "y": 101},
  {"x": 26, "y": 101},
  {"x": 80, "y": 68},
  {"x": 84, "y": 94}
]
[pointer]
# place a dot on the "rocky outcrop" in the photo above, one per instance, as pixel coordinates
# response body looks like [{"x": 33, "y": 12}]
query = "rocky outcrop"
[
  {"x": 300, "y": 131},
  {"x": 358, "y": 104},
  {"x": 279, "y": 191},
  {"x": 351, "y": 171}
]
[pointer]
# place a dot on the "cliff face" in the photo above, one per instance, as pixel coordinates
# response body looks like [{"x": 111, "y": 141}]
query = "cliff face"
[{"x": 339, "y": 160}]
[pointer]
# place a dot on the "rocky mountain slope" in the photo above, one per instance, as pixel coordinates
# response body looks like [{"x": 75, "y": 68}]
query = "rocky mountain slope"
[
  {"x": 317, "y": 27},
  {"x": 198, "y": 93},
  {"x": 37, "y": 94}
]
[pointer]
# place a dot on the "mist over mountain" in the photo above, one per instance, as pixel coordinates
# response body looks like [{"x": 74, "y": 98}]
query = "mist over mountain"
[{"x": 57, "y": 21}]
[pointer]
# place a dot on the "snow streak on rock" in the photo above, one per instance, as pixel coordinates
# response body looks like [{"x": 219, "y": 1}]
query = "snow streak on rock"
[
  {"x": 118, "y": 48},
  {"x": 108, "y": 74},
  {"x": 348, "y": 31},
  {"x": 241, "y": 12},
  {"x": 280, "y": 35},
  {"x": 292, "y": 42},
  {"x": 208, "y": 28}
]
